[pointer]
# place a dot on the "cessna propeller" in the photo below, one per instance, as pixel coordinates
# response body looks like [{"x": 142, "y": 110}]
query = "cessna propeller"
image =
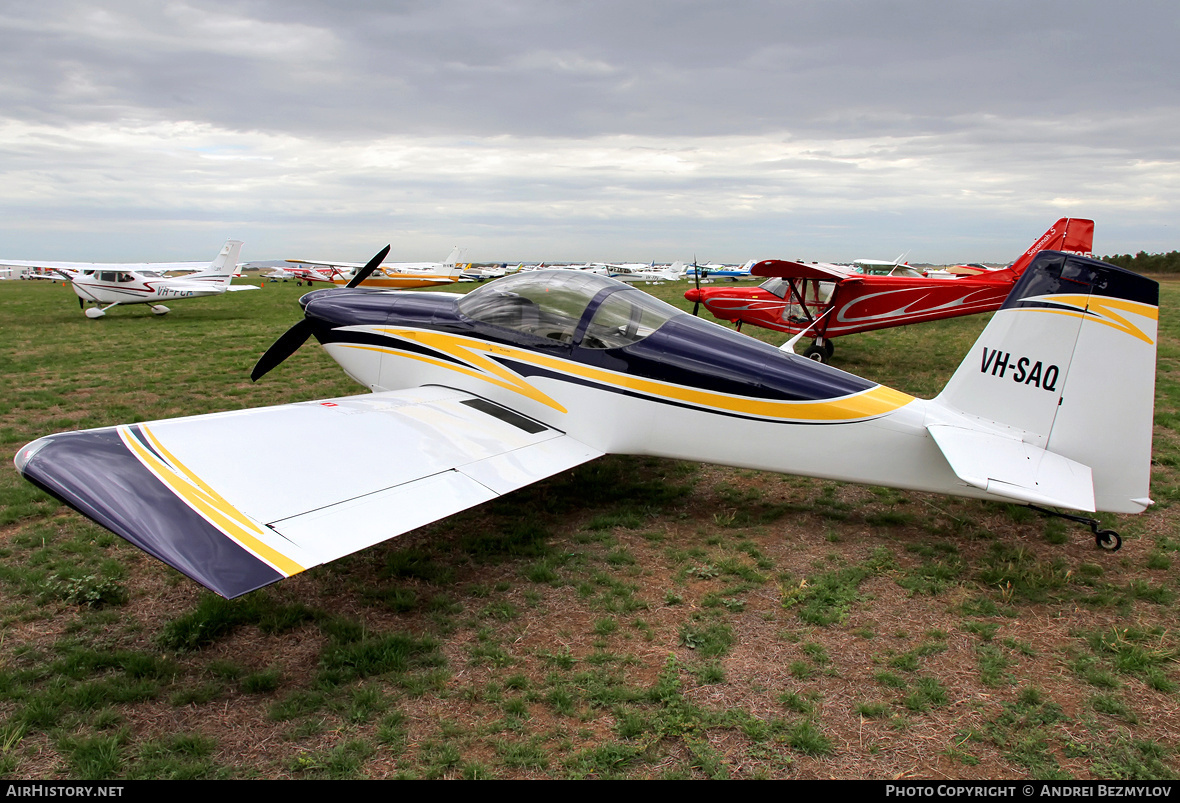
[{"x": 290, "y": 341}]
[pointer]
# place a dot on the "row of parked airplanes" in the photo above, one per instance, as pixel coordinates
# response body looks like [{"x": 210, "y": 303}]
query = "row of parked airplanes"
[
  {"x": 803, "y": 299},
  {"x": 473, "y": 396}
]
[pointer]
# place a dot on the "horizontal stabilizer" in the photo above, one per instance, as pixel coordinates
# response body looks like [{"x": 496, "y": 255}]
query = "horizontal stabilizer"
[
  {"x": 242, "y": 499},
  {"x": 1013, "y": 469}
]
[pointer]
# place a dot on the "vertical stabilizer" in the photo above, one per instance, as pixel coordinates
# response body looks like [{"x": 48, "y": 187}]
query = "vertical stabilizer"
[
  {"x": 1068, "y": 234},
  {"x": 1068, "y": 365},
  {"x": 224, "y": 264}
]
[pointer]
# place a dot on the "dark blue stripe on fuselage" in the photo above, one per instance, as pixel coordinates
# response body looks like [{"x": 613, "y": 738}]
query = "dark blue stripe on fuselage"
[
  {"x": 685, "y": 351},
  {"x": 693, "y": 353},
  {"x": 530, "y": 370}
]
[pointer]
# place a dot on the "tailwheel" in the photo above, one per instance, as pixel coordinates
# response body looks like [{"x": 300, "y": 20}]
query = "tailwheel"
[{"x": 1108, "y": 540}]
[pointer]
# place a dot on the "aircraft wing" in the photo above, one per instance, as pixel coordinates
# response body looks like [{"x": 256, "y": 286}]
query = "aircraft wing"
[
  {"x": 1011, "y": 468},
  {"x": 211, "y": 496},
  {"x": 127, "y": 266},
  {"x": 803, "y": 270},
  {"x": 312, "y": 262}
]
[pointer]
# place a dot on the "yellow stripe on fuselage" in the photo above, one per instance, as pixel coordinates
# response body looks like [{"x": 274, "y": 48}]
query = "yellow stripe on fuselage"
[
  {"x": 206, "y": 501},
  {"x": 476, "y": 354}
]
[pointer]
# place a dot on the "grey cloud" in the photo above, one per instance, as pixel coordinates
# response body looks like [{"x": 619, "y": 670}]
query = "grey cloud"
[{"x": 895, "y": 118}]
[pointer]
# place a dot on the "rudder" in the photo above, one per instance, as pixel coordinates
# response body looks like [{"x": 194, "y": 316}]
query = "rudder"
[
  {"x": 1072, "y": 234},
  {"x": 1068, "y": 365}
]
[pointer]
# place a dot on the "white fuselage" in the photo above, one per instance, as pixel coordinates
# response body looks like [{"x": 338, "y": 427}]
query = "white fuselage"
[
  {"x": 127, "y": 287},
  {"x": 892, "y": 448}
]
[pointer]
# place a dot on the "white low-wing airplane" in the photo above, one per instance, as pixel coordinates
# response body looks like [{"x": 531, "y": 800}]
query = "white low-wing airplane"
[
  {"x": 120, "y": 284},
  {"x": 475, "y": 396}
]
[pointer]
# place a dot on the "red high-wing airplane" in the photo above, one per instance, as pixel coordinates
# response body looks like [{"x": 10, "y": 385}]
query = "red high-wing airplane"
[{"x": 825, "y": 301}]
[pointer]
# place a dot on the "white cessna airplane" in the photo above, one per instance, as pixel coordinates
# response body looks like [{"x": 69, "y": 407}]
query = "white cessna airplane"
[
  {"x": 638, "y": 272},
  {"x": 119, "y": 284}
]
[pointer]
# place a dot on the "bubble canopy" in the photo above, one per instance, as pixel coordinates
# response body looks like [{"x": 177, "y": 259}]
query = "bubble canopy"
[{"x": 569, "y": 308}]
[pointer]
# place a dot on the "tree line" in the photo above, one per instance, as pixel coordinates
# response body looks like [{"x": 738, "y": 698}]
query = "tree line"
[{"x": 1144, "y": 262}]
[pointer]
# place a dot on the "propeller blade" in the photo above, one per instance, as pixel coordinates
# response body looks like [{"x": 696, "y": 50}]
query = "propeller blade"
[
  {"x": 696, "y": 274},
  {"x": 81, "y": 303},
  {"x": 281, "y": 349},
  {"x": 364, "y": 272}
]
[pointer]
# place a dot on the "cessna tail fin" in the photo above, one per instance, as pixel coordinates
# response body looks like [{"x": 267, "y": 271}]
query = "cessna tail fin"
[
  {"x": 1068, "y": 234},
  {"x": 1067, "y": 365},
  {"x": 225, "y": 263}
]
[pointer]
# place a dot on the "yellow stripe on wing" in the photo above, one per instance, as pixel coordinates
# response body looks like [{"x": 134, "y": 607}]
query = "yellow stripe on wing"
[{"x": 207, "y": 502}]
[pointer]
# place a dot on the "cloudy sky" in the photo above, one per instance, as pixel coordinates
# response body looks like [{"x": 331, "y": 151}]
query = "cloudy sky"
[{"x": 954, "y": 131}]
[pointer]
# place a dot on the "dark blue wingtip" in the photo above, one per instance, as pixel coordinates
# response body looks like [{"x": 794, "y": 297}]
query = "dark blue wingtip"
[{"x": 94, "y": 473}]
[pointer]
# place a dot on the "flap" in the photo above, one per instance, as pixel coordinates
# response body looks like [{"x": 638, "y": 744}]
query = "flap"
[
  {"x": 239, "y": 500},
  {"x": 1013, "y": 469}
]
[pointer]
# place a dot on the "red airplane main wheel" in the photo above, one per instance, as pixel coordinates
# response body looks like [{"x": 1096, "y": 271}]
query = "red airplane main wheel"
[{"x": 817, "y": 353}]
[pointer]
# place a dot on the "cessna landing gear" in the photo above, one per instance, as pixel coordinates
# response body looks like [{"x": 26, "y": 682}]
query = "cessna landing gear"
[
  {"x": 96, "y": 312},
  {"x": 160, "y": 309},
  {"x": 1108, "y": 540},
  {"x": 820, "y": 351}
]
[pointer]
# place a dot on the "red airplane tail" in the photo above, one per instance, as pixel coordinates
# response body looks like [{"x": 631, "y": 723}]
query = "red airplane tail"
[{"x": 1068, "y": 234}]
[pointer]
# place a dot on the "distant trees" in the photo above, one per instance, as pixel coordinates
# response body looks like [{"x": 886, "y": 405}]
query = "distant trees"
[{"x": 1144, "y": 262}]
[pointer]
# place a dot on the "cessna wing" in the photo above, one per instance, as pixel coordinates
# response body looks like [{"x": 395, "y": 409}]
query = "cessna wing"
[
  {"x": 173, "y": 487},
  {"x": 138, "y": 267},
  {"x": 158, "y": 268}
]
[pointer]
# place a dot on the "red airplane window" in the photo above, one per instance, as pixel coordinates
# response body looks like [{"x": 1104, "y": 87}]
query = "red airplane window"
[{"x": 776, "y": 285}]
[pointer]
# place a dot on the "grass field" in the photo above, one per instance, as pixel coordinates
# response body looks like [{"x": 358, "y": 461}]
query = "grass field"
[{"x": 633, "y": 618}]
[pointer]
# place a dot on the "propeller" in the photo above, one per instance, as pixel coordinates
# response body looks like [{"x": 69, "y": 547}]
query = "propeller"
[
  {"x": 290, "y": 341},
  {"x": 364, "y": 272},
  {"x": 696, "y": 274},
  {"x": 281, "y": 349}
]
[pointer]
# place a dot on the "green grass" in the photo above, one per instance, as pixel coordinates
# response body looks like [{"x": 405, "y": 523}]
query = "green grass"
[{"x": 632, "y": 618}]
